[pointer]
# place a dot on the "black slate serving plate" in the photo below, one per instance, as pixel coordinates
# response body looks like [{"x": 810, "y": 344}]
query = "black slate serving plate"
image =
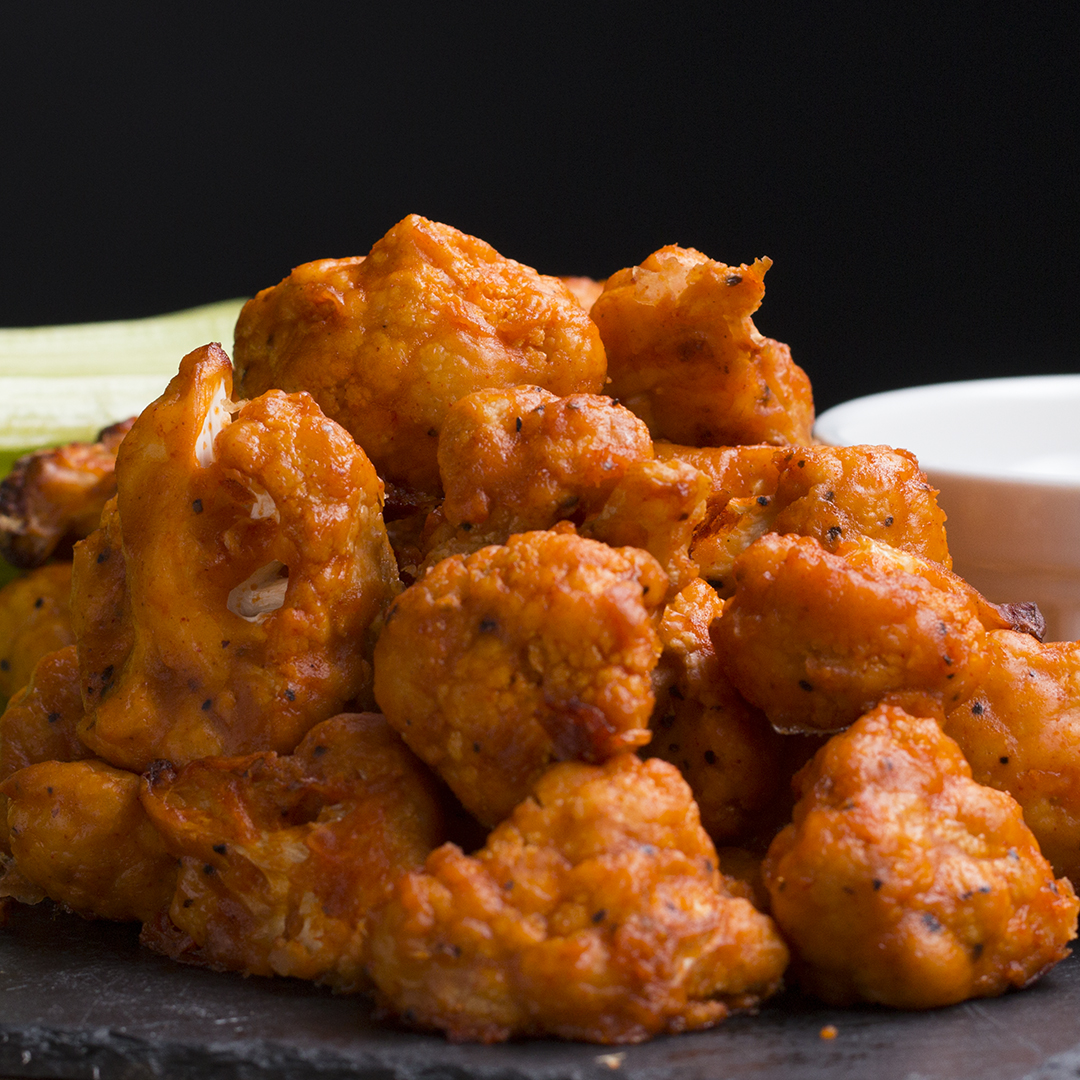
[{"x": 83, "y": 1001}]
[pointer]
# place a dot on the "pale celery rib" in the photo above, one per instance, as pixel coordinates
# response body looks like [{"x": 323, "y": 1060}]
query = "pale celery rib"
[
  {"x": 130, "y": 347},
  {"x": 64, "y": 383}
]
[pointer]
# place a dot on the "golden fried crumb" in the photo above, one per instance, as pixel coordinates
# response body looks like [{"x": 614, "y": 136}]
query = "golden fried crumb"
[
  {"x": 494, "y": 665},
  {"x": 902, "y": 881},
  {"x": 684, "y": 354},
  {"x": 387, "y": 344},
  {"x": 595, "y": 912}
]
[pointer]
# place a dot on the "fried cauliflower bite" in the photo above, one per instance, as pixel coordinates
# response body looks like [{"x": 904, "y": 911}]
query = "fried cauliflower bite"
[
  {"x": 80, "y": 836},
  {"x": 282, "y": 858},
  {"x": 52, "y": 498},
  {"x": 35, "y": 619},
  {"x": 520, "y": 458},
  {"x": 738, "y": 767},
  {"x": 387, "y": 344},
  {"x": 495, "y": 664},
  {"x": 1020, "y": 732},
  {"x": 656, "y": 506},
  {"x": 40, "y": 721},
  {"x": 902, "y": 881},
  {"x": 816, "y": 638},
  {"x": 226, "y": 603},
  {"x": 684, "y": 354},
  {"x": 595, "y": 912},
  {"x": 834, "y": 494}
]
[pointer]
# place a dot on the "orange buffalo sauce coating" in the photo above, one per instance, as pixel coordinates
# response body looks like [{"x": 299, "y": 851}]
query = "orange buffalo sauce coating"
[
  {"x": 684, "y": 354},
  {"x": 225, "y": 605},
  {"x": 386, "y": 344},
  {"x": 596, "y": 911},
  {"x": 902, "y": 881},
  {"x": 281, "y": 859},
  {"x": 494, "y": 665}
]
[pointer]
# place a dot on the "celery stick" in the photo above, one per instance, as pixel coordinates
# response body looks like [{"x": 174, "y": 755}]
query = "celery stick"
[{"x": 131, "y": 347}]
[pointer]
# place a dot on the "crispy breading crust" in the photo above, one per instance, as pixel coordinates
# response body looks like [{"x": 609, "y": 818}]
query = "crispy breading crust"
[
  {"x": 388, "y": 343},
  {"x": 684, "y": 354},
  {"x": 595, "y": 912},
  {"x": 226, "y": 604},
  {"x": 494, "y": 665},
  {"x": 902, "y": 881}
]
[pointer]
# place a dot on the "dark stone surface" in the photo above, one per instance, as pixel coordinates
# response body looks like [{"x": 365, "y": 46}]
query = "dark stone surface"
[{"x": 83, "y": 1001}]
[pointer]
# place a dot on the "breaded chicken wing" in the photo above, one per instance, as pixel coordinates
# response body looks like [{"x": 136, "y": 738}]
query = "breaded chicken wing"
[
  {"x": 282, "y": 858},
  {"x": 738, "y": 767},
  {"x": 52, "y": 498},
  {"x": 496, "y": 664},
  {"x": 816, "y": 638},
  {"x": 596, "y": 912},
  {"x": 35, "y": 619},
  {"x": 226, "y": 603},
  {"x": 79, "y": 835},
  {"x": 40, "y": 721},
  {"x": 387, "y": 344},
  {"x": 684, "y": 354},
  {"x": 1020, "y": 732},
  {"x": 902, "y": 881}
]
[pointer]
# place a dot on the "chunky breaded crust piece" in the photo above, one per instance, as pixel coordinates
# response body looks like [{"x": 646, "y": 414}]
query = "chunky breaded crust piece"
[
  {"x": 1020, "y": 731},
  {"x": 902, "y": 881},
  {"x": 35, "y": 619},
  {"x": 54, "y": 497},
  {"x": 386, "y": 344},
  {"x": 494, "y": 665},
  {"x": 596, "y": 912},
  {"x": 40, "y": 721},
  {"x": 816, "y": 638},
  {"x": 80, "y": 836},
  {"x": 226, "y": 603},
  {"x": 684, "y": 354},
  {"x": 282, "y": 858}
]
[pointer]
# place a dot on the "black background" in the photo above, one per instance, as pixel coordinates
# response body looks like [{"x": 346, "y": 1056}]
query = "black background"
[{"x": 910, "y": 168}]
